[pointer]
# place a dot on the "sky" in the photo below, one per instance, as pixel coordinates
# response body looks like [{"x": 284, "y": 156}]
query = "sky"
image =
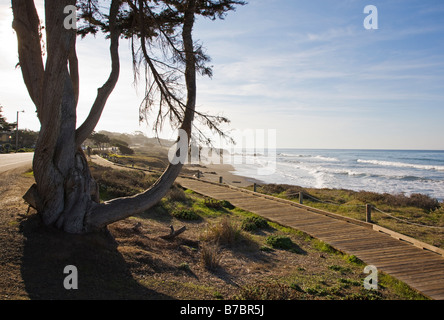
[{"x": 309, "y": 70}]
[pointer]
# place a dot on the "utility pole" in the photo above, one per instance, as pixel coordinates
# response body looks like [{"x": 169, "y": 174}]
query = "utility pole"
[{"x": 16, "y": 131}]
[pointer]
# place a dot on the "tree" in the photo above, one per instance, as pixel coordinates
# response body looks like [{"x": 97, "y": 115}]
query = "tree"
[
  {"x": 64, "y": 193},
  {"x": 117, "y": 142},
  {"x": 26, "y": 138},
  {"x": 99, "y": 139},
  {"x": 125, "y": 150},
  {"x": 5, "y": 125}
]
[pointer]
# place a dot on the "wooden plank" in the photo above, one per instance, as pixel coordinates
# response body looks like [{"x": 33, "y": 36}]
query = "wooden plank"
[
  {"x": 433, "y": 291},
  {"x": 401, "y": 247},
  {"x": 436, "y": 293},
  {"x": 377, "y": 258},
  {"x": 306, "y": 221},
  {"x": 276, "y": 213},
  {"x": 403, "y": 273},
  {"x": 369, "y": 240},
  {"x": 401, "y": 251},
  {"x": 340, "y": 230},
  {"x": 425, "y": 279},
  {"x": 344, "y": 227},
  {"x": 398, "y": 260},
  {"x": 351, "y": 246},
  {"x": 342, "y": 236},
  {"x": 414, "y": 262},
  {"x": 415, "y": 242},
  {"x": 407, "y": 269},
  {"x": 424, "y": 269},
  {"x": 436, "y": 286}
]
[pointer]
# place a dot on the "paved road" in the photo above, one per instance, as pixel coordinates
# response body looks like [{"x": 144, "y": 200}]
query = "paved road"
[{"x": 12, "y": 161}]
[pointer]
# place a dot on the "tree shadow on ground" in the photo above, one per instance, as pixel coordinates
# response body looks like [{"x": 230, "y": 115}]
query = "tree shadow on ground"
[{"x": 103, "y": 273}]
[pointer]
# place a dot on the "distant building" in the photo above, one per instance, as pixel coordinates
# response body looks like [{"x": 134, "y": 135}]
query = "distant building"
[{"x": 5, "y": 137}]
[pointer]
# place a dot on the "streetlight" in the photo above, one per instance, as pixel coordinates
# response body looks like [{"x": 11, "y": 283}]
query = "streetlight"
[{"x": 17, "y": 132}]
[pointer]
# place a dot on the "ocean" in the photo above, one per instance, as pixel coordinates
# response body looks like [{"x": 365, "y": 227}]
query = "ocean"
[{"x": 391, "y": 171}]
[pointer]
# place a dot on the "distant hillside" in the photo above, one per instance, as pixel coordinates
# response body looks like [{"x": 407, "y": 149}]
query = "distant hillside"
[{"x": 138, "y": 139}]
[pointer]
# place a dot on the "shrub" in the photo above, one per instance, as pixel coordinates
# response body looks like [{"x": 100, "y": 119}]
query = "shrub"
[
  {"x": 354, "y": 260},
  {"x": 116, "y": 183},
  {"x": 125, "y": 150},
  {"x": 185, "y": 214},
  {"x": 225, "y": 232},
  {"x": 293, "y": 192},
  {"x": 424, "y": 202},
  {"x": 253, "y": 223},
  {"x": 226, "y": 204},
  {"x": 296, "y": 287},
  {"x": 417, "y": 200},
  {"x": 177, "y": 194},
  {"x": 265, "y": 249},
  {"x": 322, "y": 246},
  {"x": 274, "y": 188},
  {"x": 280, "y": 242},
  {"x": 218, "y": 204},
  {"x": 184, "y": 266}
]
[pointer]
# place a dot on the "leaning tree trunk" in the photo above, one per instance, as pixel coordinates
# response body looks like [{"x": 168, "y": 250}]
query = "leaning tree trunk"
[
  {"x": 65, "y": 194},
  {"x": 121, "y": 208}
]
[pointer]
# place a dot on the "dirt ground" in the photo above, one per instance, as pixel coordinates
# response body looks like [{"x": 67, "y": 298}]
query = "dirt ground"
[{"x": 131, "y": 261}]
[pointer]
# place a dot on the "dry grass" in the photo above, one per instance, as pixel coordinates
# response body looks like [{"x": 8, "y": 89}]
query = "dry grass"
[
  {"x": 210, "y": 255},
  {"x": 224, "y": 232},
  {"x": 213, "y": 259}
]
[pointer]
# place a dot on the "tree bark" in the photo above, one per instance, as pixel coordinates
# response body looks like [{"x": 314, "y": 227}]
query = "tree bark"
[
  {"x": 64, "y": 188},
  {"x": 104, "y": 92},
  {"x": 118, "y": 209},
  {"x": 65, "y": 194}
]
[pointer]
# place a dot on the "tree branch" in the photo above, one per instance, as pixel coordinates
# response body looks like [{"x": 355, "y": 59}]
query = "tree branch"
[
  {"x": 74, "y": 71},
  {"x": 104, "y": 92},
  {"x": 103, "y": 214},
  {"x": 26, "y": 24}
]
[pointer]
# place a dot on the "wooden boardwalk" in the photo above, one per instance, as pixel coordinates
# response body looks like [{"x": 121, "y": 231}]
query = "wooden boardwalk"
[{"x": 421, "y": 269}]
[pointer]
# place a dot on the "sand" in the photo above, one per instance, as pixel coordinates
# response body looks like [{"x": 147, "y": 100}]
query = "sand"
[{"x": 213, "y": 172}]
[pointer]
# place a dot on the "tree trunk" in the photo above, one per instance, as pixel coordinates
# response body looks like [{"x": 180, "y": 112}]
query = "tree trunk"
[
  {"x": 65, "y": 194},
  {"x": 118, "y": 209},
  {"x": 64, "y": 191}
]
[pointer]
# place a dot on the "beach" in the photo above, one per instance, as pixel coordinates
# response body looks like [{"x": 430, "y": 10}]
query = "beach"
[
  {"x": 214, "y": 172},
  {"x": 382, "y": 171}
]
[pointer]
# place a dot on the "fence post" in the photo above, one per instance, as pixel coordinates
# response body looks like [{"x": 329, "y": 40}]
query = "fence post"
[
  {"x": 220, "y": 180},
  {"x": 254, "y": 187},
  {"x": 301, "y": 198},
  {"x": 368, "y": 213},
  {"x": 198, "y": 174}
]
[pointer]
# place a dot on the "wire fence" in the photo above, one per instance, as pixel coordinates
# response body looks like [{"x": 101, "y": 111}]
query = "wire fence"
[{"x": 406, "y": 221}]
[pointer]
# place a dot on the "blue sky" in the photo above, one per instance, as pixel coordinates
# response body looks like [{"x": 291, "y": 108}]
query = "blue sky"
[{"x": 308, "y": 69}]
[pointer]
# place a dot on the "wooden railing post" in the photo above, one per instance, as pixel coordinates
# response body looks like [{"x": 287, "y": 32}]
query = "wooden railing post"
[
  {"x": 368, "y": 213},
  {"x": 301, "y": 198},
  {"x": 254, "y": 187}
]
